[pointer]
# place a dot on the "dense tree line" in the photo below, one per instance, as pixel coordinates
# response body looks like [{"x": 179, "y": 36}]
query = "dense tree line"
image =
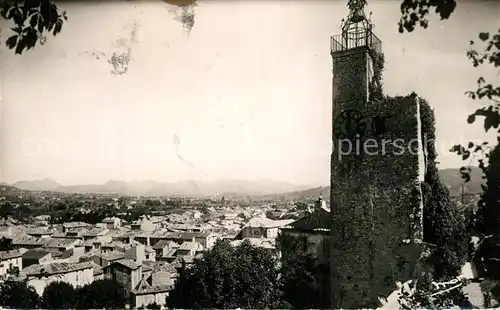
[
  {"x": 100, "y": 294},
  {"x": 253, "y": 278},
  {"x": 229, "y": 277}
]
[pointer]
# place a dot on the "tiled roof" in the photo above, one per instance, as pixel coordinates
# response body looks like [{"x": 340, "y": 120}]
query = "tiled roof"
[
  {"x": 171, "y": 253},
  {"x": 144, "y": 289},
  {"x": 25, "y": 239},
  {"x": 173, "y": 245},
  {"x": 318, "y": 219},
  {"x": 38, "y": 231},
  {"x": 35, "y": 254},
  {"x": 160, "y": 244},
  {"x": 94, "y": 232},
  {"x": 204, "y": 234},
  {"x": 159, "y": 266},
  {"x": 257, "y": 242},
  {"x": 267, "y": 223},
  {"x": 116, "y": 233},
  {"x": 75, "y": 224},
  {"x": 58, "y": 242},
  {"x": 89, "y": 242},
  {"x": 55, "y": 268},
  {"x": 189, "y": 235},
  {"x": 125, "y": 262},
  {"x": 144, "y": 234},
  {"x": 113, "y": 244},
  {"x": 132, "y": 234},
  {"x": 5, "y": 255},
  {"x": 112, "y": 256},
  {"x": 58, "y": 234}
]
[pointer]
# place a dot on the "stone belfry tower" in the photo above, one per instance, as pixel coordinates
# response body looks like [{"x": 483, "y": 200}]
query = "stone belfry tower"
[
  {"x": 375, "y": 198},
  {"x": 352, "y": 61}
]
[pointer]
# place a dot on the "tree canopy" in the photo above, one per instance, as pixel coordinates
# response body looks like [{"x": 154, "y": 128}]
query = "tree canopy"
[
  {"x": 6, "y": 244},
  {"x": 101, "y": 294},
  {"x": 59, "y": 295},
  {"x": 416, "y": 12},
  {"x": 305, "y": 278},
  {"x": 229, "y": 277},
  {"x": 19, "y": 295}
]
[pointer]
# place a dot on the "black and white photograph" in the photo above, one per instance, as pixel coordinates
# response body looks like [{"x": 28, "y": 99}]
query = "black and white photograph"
[{"x": 249, "y": 154}]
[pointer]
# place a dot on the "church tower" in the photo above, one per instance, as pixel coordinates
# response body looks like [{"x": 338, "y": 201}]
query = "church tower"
[{"x": 375, "y": 197}]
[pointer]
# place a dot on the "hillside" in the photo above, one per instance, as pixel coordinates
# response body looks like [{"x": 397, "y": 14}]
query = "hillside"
[
  {"x": 261, "y": 189},
  {"x": 38, "y": 185},
  {"x": 450, "y": 177}
]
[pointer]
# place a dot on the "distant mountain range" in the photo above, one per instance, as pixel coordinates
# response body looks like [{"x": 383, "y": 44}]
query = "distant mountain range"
[
  {"x": 228, "y": 187},
  {"x": 264, "y": 189},
  {"x": 450, "y": 177}
]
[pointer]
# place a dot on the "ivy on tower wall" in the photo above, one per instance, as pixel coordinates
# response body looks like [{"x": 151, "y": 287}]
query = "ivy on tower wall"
[
  {"x": 375, "y": 87},
  {"x": 444, "y": 225},
  {"x": 377, "y": 196},
  {"x": 381, "y": 203}
]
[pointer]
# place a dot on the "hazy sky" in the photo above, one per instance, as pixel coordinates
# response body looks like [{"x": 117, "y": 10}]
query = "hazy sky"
[{"x": 246, "y": 95}]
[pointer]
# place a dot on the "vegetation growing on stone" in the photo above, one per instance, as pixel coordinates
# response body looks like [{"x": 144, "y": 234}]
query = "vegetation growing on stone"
[
  {"x": 305, "y": 277},
  {"x": 444, "y": 224},
  {"x": 375, "y": 88}
]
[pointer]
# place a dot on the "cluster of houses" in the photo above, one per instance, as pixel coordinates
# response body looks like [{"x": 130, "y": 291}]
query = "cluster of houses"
[{"x": 144, "y": 256}]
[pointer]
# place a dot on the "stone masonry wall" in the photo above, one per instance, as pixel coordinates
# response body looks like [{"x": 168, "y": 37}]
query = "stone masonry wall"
[
  {"x": 376, "y": 197},
  {"x": 349, "y": 79}
]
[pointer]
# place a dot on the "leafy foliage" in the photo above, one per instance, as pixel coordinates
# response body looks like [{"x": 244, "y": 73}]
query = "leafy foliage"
[
  {"x": 305, "y": 278},
  {"x": 6, "y": 244},
  {"x": 428, "y": 294},
  {"x": 229, "y": 277},
  {"x": 486, "y": 221},
  {"x": 32, "y": 20},
  {"x": 488, "y": 156},
  {"x": 375, "y": 88},
  {"x": 18, "y": 295},
  {"x": 59, "y": 295},
  {"x": 488, "y": 215},
  {"x": 444, "y": 224},
  {"x": 101, "y": 294},
  {"x": 416, "y": 12}
]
